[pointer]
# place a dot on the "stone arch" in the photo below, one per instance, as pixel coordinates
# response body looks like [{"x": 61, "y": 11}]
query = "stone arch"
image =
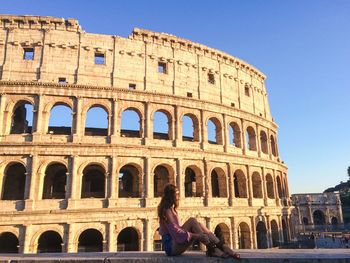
[
  {"x": 319, "y": 217},
  {"x": 190, "y": 127},
  {"x": 251, "y": 138},
  {"x": 162, "y": 125},
  {"x": 130, "y": 180},
  {"x": 270, "y": 186},
  {"x": 90, "y": 240},
  {"x": 22, "y": 117},
  {"x": 218, "y": 182},
  {"x": 273, "y": 145},
  {"x": 244, "y": 241},
  {"x": 214, "y": 128},
  {"x": 235, "y": 134},
  {"x": 222, "y": 231},
  {"x": 193, "y": 181},
  {"x": 50, "y": 242},
  {"x": 263, "y": 142},
  {"x": 8, "y": 242},
  {"x": 284, "y": 231},
  {"x": 240, "y": 184},
  {"x": 257, "y": 185},
  {"x": 14, "y": 181},
  {"x": 163, "y": 175},
  {"x": 58, "y": 124},
  {"x": 279, "y": 187},
  {"x": 55, "y": 181},
  {"x": 261, "y": 235},
  {"x": 93, "y": 181},
  {"x": 96, "y": 112},
  {"x": 133, "y": 126},
  {"x": 274, "y": 233},
  {"x": 128, "y": 240}
]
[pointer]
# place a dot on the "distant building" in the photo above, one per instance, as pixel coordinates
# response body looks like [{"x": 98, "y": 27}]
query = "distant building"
[{"x": 317, "y": 212}]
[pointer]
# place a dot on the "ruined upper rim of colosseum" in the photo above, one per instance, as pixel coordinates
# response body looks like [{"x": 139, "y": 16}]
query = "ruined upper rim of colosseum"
[{"x": 170, "y": 110}]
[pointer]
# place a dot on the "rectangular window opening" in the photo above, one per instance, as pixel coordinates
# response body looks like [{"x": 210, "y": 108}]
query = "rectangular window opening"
[
  {"x": 162, "y": 68},
  {"x": 246, "y": 91},
  {"x": 211, "y": 78},
  {"x": 232, "y": 104},
  {"x": 28, "y": 54},
  {"x": 132, "y": 86},
  {"x": 99, "y": 59},
  {"x": 62, "y": 81},
  {"x": 189, "y": 94}
]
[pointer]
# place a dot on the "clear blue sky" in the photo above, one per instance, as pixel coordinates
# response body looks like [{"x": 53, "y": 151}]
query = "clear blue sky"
[{"x": 302, "y": 46}]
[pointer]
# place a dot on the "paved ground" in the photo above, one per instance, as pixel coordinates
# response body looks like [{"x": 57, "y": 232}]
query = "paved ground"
[{"x": 248, "y": 256}]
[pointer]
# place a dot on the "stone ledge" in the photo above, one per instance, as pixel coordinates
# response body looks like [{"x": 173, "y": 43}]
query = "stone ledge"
[{"x": 248, "y": 256}]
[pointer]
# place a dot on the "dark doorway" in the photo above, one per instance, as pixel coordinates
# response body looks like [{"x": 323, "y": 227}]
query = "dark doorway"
[
  {"x": 128, "y": 240},
  {"x": 90, "y": 241},
  {"x": 50, "y": 242}
]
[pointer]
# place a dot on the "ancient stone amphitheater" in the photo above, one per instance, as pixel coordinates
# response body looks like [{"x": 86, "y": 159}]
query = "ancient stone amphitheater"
[{"x": 80, "y": 187}]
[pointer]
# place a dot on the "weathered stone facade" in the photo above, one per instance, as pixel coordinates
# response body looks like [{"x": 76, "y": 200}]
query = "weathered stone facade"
[
  {"x": 317, "y": 211},
  {"x": 97, "y": 189}
]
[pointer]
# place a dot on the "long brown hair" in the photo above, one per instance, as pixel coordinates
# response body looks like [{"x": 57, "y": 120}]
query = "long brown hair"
[{"x": 168, "y": 201}]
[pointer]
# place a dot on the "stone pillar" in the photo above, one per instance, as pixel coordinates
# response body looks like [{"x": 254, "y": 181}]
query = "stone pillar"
[
  {"x": 75, "y": 182},
  {"x": 250, "y": 187},
  {"x": 280, "y": 232},
  {"x": 226, "y": 140},
  {"x": 204, "y": 131},
  {"x": 72, "y": 247},
  {"x": 277, "y": 198},
  {"x": 113, "y": 182},
  {"x": 147, "y": 242},
  {"x": 244, "y": 138},
  {"x": 258, "y": 140},
  {"x": 207, "y": 192},
  {"x": 231, "y": 190},
  {"x": 2, "y": 114},
  {"x": 149, "y": 193},
  {"x": 115, "y": 122},
  {"x": 148, "y": 124},
  {"x": 38, "y": 118},
  {"x": 31, "y": 189},
  {"x": 208, "y": 223},
  {"x": 269, "y": 234},
  {"x": 111, "y": 237},
  {"x": 180, "y": 178},
  {"x": 178, "y": 127},
  {"x": 234, "y": 236},
  {"x": 269, "y": 150},
  {"x": 310, "y": 214},
  {"x": 27, "y": 246},
  {"x": 263, "y": 180},
  {"x": 253, "y": 233},
  {"x": 77, "y": 131}
]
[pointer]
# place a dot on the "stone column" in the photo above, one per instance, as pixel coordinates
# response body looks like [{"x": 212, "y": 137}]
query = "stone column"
[
  {"x": 207, "y": 192},
  {"x": 27, "y": 246},
  {"x": 149, "y": 193},
  {"x": 115, "y": 122},
  {"x": 111, "y": 237},
  {"x": 226, "y": 140},
  {"x": 31, "y": 184},
  {"x": 38, "y": 118},
  {"x": 204, "y": 132},
  {"x": 71, "y": 245},
  {"x": 147, "y": 242},
  {"x": 180, "y": 178},
  {"x": 269, "y": 149},
  {"x": 148, "y": 124},
  {"x": 234, "y": 236},
  {"x": 113, "y": 182},
  {"x": 231, "y": 190},
  {"x": 2, "y": 114},
  {"x": 75, "y": 182},
  {"x": 277, "y": 198},
  {"x": 77, "y": 131},
  {"x": 250, "y": 187},
  {"x": 310, "y": 214},
  {"x": 244, "y": 138},
  {"x": 263, "y": 179},
  {"x": 253, "y": 233},
  {"x": 269, "y": 234},
  {"x": 280, "y": 232},
  {"x": 178, "y": 127},
  {"x": 258, "y": 141}
]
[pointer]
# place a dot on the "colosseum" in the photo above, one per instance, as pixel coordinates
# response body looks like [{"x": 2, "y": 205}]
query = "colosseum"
[{"x": 174, "y": 111}]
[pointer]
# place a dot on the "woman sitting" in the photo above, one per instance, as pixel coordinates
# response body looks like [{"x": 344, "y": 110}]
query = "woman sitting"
[{"x": 176, "y": 238}]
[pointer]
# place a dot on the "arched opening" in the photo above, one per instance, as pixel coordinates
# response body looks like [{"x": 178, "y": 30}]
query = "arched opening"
[
  {"x": 93, "y": 182},
  {"x": 239, "y": 183},
  {"x": 22, "y": 118},
  {"x": 96, "y": 122},
  {"x": 193, "y": 182},
  {"x": 129, "y": 181},
  {"x": 214, "y": 131},
  {"x": 261, "y": 237},
  {"x": 257, "y": 185},
  {"x": 274, "y": 233},
  {"x": 55, "y": 181},
  {"x": 162, "y": 177},
  {"x": 128, "y": 240},
  {"x": 130, "y": 123},
  {"x": 157, "y": 241},
  {"x": 263, "y": 142},
  {"x": 60, "y": 120},
  {"x": 284, "y": 231},
  {"x": 218, "y": 183},
  {"x": 223, "y": 233},
  {"x": 235, "y": 135},
  {"x": 190, "y": 130},
  {"x": 279, "y": 187},
  {"x": 305, "y": 221},
  {"x": 50, "y": 242},
  {"x": 251, "y": 139},
  {"x": 269, "y": 187},
  {"x": 161, "y": 125},
  {"x": 244, "y": 236},
  {"x": 319, "y": 218},
  {"x": 14, "y": 182},
  {"x": 8, "y": 243},
  {"x": 334, "y": 221},
  {"x": 91, "y": 240},
  {"x": 273, "y": 146}
]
